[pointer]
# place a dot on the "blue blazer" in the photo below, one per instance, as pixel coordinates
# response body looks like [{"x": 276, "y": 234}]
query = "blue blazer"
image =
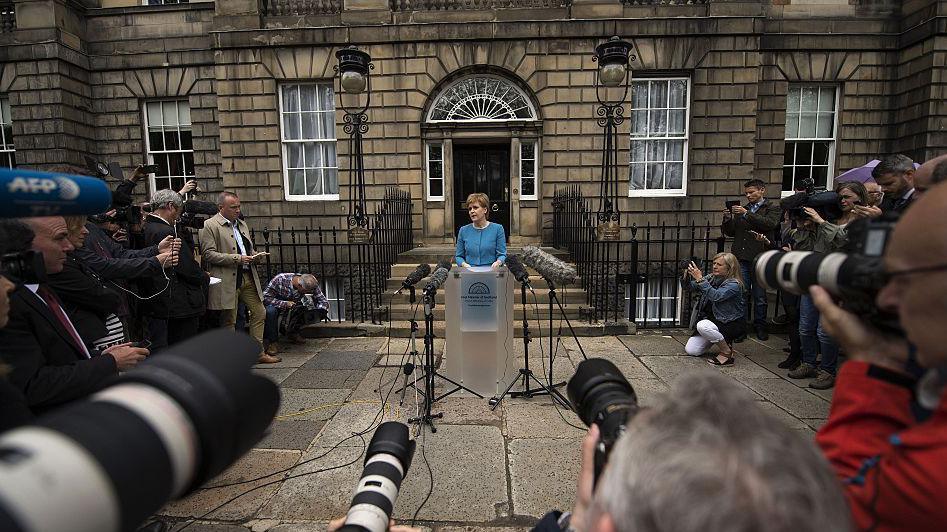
[{"x": 480, "y": 247}]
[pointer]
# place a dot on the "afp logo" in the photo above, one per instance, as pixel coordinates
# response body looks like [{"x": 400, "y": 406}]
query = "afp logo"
[
  {"x": 65, "y": 188},
  {"x": 479, "y": 289}
]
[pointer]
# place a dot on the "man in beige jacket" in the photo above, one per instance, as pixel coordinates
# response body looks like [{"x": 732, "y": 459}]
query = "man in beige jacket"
[{"x": 228, "y": 254}]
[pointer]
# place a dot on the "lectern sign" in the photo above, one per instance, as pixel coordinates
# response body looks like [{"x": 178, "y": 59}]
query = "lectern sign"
[{"x": 478, "y": 299}]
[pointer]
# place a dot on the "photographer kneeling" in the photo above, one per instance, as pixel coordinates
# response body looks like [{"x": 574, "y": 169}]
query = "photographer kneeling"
[
  {"x": 886, "y": 435},
  {"x": 720, "y": 308}
]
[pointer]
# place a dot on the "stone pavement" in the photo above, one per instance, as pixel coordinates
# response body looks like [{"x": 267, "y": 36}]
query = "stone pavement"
[{"x": 496, "y": 471}]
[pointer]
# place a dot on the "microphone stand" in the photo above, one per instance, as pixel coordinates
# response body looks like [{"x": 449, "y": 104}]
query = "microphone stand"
[
  {"x": 408, "y": 367},
  {"x": 525, "y": 374},
  {"x": 430, "y": 371},
  {"x": 562, "y": 311}
]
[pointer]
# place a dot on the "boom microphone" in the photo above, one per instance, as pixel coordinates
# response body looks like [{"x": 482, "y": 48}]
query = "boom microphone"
[
  {"x": 438, "y": 278},
  {"x": 422, "y": 271},
  {"x": 517, "y": 269},
  {"x": 553, "y": 269},
  {"x": 200, "y": 207},
  {"x": 27, "y": 193}
]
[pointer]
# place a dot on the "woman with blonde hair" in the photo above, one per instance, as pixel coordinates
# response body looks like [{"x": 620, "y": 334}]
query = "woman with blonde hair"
[
  {"x": 481, "y": 242},
  {"x": 721, "y": 308}
]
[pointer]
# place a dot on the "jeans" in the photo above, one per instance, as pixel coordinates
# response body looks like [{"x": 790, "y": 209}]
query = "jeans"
[
  {"x": 813, "y": 337},
  {"x": 791, "y": 306},
  {"x": 707, "y": 335},
  {"x": 270, "y": 328},
  {"x": 757, "y": 295}
]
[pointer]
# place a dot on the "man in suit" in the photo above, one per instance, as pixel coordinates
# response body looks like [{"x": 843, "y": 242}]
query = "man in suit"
[
  {"x": 228, "y": 255},
  {"x": 49, "y": 362},
  {"x": 761, "y": 216},
  {"x": 895, "y": 174}
]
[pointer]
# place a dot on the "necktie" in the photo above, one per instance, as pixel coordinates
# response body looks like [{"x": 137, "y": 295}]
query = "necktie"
[{"x": 53, "y": 303}]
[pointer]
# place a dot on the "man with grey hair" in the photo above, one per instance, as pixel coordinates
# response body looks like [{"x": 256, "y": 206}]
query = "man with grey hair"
[
  {"x": 173, "y": 313},
  {"x": 895, "y": 174},
  {"x": 707, "y": 458},
  {"x": 283, "y": 293}
]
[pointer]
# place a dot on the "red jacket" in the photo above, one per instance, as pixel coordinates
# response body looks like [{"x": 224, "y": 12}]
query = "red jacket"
[{"x": 894, "y": 468}]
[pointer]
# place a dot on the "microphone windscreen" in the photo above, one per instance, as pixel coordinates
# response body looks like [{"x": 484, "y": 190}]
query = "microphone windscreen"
[
  {"x": 444, "y": 263},
  {"x": 516, "y": 267},
  {"x": 27, "y": 193},
  {"x": 548, "y": 266}
]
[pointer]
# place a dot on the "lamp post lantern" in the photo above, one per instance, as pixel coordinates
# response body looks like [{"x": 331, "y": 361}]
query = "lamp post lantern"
[
  {"x": 354, "y": 73},
  {"x": 613, "y": 57}
]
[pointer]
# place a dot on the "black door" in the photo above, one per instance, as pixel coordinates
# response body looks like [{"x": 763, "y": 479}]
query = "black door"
[{"x": 482, "y": 168}]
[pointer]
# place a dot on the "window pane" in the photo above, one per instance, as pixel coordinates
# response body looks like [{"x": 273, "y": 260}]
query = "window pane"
[
  {"x": 638, "y": 151},
  {"x": 187, "y": 142},
  {"x": 675, "y": 150},
  {"x": 637, "y": 176},
  {"x": 820, "y": 175},
  {"x": 803, "y": 153},
  {"x": 294, "y": 155},
  {"x": 332, "y": 180},
  {"x": 188, "y": 166},
  {"x": 434, "y": 152},
  {"x": 154, "y": 114},
  {"x": 792, "y": 125},
  {"x": 308, "y": 98},
  {"x": 658, "y": 125},
  {"x": 328, "y": 154},
  {"x": 297, "y": 182},
  {"x": 824, "y": 125},
  {"x": 639, "y": 123},
  {"x": 528, "y": 150},
  {"x": 8, "y": 136},
  {"x": 789, "y": 156},
  {"x": 826, "y": 99},
  {"x": 314, "y": 182},
  {"x": 437, "y": 187},
  {"x": 658, "y": 99},
  {"x": 656, "y": 175},
  {"x": 161, "y": 160},
  {"x": 807, "y": 125},
  {"x": 155, "y": 140},
  {"x": 175, "y": 164},
  {"x": 792, "y": 100},
  {"x": 170, "y": 112},
  {"x": 291, "y": 126},
  {"x": 678, "y": 93},
  {"x": 810, "y": 99},
  {"x": 5, "y": 111},
  {"x": 821, "y": 155},
  {"x": 656, "y": 150},
  {"x": 291, "y": 98},
  {"x": 676, "y": 123},
  {"x": 310, "y": 126},
  {"x": 527, "y": 169},
  {"x": 437, "y": 170},
  {"x": 788, "y": 184},
  {"x": 313, "y": 155},
  {"x": 675, "y": 175},
  {"x": 639, "y": 94},
  {"x": 171, "y": 140},
  {"x": 327, "y": 92},
  {"x": 802, "y": 172},
  {"x": 328, "y": 125},
  {"x": 184, "y": 113}
]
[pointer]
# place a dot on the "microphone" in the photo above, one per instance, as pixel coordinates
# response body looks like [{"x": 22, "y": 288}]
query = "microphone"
[
  {"x": 516, "y": 268},
  {"x": 438, "y": 278},
  {"x": 206, "y": 208},
  {"x": 27, "y": 193},
  {"x": 422, "y": 271},
  {"x": 553, "y": 269}
]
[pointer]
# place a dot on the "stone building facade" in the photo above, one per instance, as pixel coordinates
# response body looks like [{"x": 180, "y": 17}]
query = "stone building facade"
[{"x": 242, "y": 95}]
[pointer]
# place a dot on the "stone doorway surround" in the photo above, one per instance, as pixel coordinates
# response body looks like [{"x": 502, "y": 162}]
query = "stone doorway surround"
[{"x": 452, "y": 124}]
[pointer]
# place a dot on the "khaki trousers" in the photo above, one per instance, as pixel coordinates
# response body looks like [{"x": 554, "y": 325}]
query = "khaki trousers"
[{"x": 248, "y": 295}]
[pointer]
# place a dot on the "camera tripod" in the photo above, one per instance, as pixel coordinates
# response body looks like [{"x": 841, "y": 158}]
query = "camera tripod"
[
  {"x": 430, "y": 371},
  {"x": 407, "y": 368},
  {"x": 554, "y": 297},
  {"x": 526, "y": 374}
]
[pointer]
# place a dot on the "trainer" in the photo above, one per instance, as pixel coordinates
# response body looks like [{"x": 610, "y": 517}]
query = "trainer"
[{"x": 481, "y": 242}]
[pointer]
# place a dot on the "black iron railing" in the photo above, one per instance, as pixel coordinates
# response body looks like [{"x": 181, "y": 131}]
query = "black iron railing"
[
  {"x": 355, "y": 272},
  {"x": 638, "y": 277}
]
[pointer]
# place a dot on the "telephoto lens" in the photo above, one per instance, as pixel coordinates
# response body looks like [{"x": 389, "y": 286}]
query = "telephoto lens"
[
  {"x": 602, "y": 395},
  {"x": 386, "y": 463},
  {"x": 160, "y": 431}
]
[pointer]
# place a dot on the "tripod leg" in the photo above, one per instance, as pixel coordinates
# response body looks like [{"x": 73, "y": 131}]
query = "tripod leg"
[{"x": 494, "y": 402}]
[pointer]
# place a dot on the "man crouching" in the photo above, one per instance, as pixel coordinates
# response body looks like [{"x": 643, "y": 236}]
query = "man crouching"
[{"x": 284, "y": 292}]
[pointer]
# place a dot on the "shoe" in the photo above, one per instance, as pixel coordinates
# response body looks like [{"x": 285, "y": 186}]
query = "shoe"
[
  {"x": 268, "y": 359},
  {"x": 824, "y": 381},
  {"x": 761, "y": 333},
  {"x": 741, "y": 338},
  {"x": 791, "y": 362},
  {"x": 271, "y": 348},
  {"x": 714, "y": 361},
  {"x": 782, "y": 319},
  {"x": 296, "y": 338},
  {"x": 804, "y": 371}
]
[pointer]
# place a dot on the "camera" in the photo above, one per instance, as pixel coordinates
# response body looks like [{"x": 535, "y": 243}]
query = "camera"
[
  {"x": 826, "y": 203},
  {"x": 124, "y": 216},
  {"x": 386, "y": 463},
  {"x": 159, "y": 432},
  {"x": 602, "y": 395},
  {"x": 24, "y": 267},
  {"x": 855, "y": 278}
]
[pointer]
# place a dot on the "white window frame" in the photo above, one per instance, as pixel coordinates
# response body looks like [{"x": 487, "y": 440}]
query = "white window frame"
[
  {"x": 646, "y": 299},
  {"x": 4, "y": 141},
  {"x": 283, "y": 141},
  {"x": 427, "y": 171},
  {"x": 333, "y": 296},
  {"x": 664, "y": 193},
  {"x": 535, "y": 177},
  {"x": 150, "y": 154},
  {"x": 833, "y": 140}
]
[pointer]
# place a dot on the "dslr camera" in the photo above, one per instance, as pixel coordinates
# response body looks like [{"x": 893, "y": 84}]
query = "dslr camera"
[
  {"x": 23, "y": 267},
  {"x": 855, "y": 278},
  {"x": 602, "y": 395}
]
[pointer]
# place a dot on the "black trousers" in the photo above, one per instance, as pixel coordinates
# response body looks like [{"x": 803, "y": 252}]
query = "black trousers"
[{"x": 791, "y": 306}]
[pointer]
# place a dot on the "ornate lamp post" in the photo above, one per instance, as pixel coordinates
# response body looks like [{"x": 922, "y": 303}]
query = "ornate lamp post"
[
  {"x": 612, "y": 57},
  {"x": 354, "y": 73}
]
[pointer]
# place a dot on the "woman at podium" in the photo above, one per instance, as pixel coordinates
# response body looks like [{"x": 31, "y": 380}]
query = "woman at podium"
[{"x": 480, "y": 243}]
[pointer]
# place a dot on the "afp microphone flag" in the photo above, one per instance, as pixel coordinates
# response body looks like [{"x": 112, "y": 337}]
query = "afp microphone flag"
[{"x": 28, "y": 193}]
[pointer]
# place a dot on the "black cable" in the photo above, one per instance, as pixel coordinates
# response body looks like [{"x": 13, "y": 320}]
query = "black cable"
[{"x": 430, "y": 472}]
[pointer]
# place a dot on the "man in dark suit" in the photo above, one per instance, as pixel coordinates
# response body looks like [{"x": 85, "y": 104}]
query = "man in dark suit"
[
  {"x": 895, "y": 174},
  {"x": 48, "y": 360}
]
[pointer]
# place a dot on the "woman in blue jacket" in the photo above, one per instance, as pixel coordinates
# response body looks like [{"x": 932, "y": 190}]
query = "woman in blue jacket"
[
  {"x": 480, "y": 243},
  {"x": 722, "y": 303}
]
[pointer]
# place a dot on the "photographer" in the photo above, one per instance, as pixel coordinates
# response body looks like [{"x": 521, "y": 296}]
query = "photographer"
[
  {"x": 284, "y": 294},
  {"x": 704, "y": 458},
  {"x": 740, "y": 222},
  {"x": 720, "y": 309},
  {"x": 173, "y": 315},
  {"x": 886, "y": 435}
]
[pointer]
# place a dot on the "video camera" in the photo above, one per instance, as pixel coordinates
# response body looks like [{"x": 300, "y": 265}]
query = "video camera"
[
  {"x": 855, "y": 278},
  {"x": 124, "y": 216},
  {"x": 24, "y": 267},
  {"x": 826, "y": 203}
]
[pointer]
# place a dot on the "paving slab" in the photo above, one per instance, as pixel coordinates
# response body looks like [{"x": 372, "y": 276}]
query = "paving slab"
[
  {"x": 479, "y": 528},
  {"x": 649, "y": 390},
  {"x": 401, "y": 345},
  {"x": 357, "y": 344},
  {"x": 668, "y": 368},
  {"x": 400, "y": 359},
  {"x": 469, "y": 468},
  {"x": 311, "y": 405},
  {"x": 652, "y": 345},
  {"x": 388, "y": 379},
  {"x": 799, "y": 403},
  {"x": 540, "y": 420},
  {"x": 207, "y": 527},
  {"x": 327, "y": 359},
  {"x": 788, "y": 419},
  {"x": 255, "y": 464},
  {"x": 746, "y": 368},
  {"x": 468, "y": 411},
  {"x": 543, "y": 472},
  {"x": 320, "y": 489},
  {"x": 361, "y": 416},
  {"x": 289, "y": 360},
  {"x": 815, "y": 424},
  {"x": 277, "y": 375},
  {"x": 296, "y": 434},
  {"x": 324, "y": 378}
]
